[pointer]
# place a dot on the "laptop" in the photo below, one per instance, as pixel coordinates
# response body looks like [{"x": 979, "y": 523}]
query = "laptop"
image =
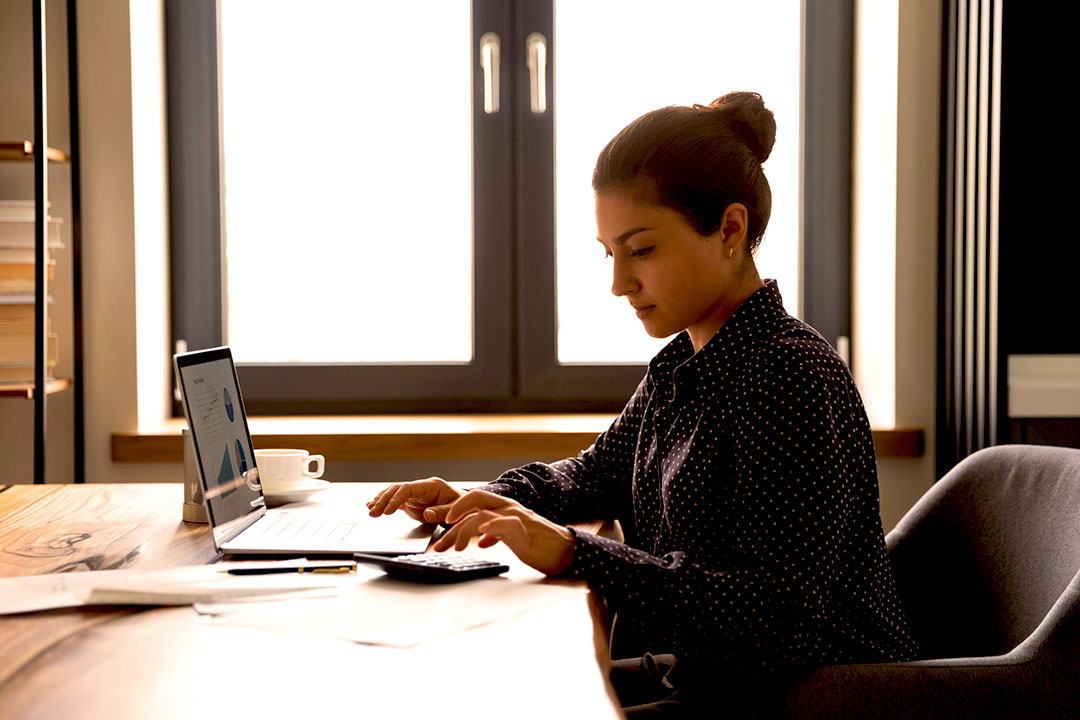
[{"x": 240, "y": 522}]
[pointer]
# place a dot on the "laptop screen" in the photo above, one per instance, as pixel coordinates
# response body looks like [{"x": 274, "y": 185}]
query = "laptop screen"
[{"x": 219, "y": 429}]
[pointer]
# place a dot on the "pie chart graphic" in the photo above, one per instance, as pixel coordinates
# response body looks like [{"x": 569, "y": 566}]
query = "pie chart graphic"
[
  {"x": 229, "y": 405},
  {"x": 241, "y": 458}
]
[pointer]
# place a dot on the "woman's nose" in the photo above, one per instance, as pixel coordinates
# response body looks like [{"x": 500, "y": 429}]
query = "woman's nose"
[{"x": 622, "y": 281}]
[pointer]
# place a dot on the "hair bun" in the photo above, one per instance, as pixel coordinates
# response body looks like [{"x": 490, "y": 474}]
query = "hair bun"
[{"x": 750, "y": 120}]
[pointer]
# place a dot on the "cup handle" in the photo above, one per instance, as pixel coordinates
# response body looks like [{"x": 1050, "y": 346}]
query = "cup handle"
[{"x": 320, "y": 463}]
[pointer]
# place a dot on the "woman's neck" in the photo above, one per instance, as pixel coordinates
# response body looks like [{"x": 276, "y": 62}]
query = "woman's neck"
[{"x": 748, "y": 283}]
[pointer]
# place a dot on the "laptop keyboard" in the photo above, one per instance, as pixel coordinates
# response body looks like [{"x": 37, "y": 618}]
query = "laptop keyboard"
[{"x": 284, "y": 527}]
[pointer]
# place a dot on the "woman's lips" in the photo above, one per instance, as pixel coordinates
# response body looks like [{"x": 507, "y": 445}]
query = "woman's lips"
[{"x": 643, "y": 311}]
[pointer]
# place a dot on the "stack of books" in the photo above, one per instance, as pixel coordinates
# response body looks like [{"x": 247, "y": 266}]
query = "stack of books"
[{"x": 17, "y": 276}]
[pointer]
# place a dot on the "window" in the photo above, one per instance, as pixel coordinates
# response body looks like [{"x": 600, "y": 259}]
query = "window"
[
  {"x": 348, "y": 195},
  {"x": 623, "y": 59},
  {"x": 386, "y": 207}
]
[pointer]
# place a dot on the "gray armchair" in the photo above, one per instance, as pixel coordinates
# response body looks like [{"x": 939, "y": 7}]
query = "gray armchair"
[{"x": 987, "y": 565}]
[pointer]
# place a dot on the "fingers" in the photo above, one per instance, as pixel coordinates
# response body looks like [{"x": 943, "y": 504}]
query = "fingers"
[
  {"x": 487, "y": 541},
  {"x": 459, "y": 536},
  {"x": 417, "y": 495},
  {"x": 435, "y": 513},
  {"x": 377, "y": 505},
  {"x": 537, "y": 542},
  {"x": 478, "y": 500},
  {"x": 469, "y": 526},
  {"x": 414, "y": 509},
  {"x": 509, "y": 529},
  {"x": 402, "y": 495}
]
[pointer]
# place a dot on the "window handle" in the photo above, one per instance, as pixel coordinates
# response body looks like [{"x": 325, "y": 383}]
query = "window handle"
[
  {"x": 489, "y": 61},
  {"x": 536, "y": 54}
]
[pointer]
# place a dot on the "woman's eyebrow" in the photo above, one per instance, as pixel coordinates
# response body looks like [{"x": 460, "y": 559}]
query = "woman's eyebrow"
[{"x": 626, "y": 235}]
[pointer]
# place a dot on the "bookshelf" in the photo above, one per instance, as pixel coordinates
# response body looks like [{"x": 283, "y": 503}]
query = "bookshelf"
[
  {"x": 26, "y": 273},
  {"x": 23, "y": 151},
  {"x": 26, "y": 390}
]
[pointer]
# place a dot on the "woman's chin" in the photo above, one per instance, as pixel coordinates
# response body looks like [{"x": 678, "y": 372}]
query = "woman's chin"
[{"x": 658, "y": 331}]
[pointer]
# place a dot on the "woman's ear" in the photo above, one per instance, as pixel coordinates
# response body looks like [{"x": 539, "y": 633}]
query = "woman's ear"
[{"x": 732, "y": 230}]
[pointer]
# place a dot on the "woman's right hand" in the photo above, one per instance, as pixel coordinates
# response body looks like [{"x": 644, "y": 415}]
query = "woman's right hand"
[{"x": 425, "y": 501}]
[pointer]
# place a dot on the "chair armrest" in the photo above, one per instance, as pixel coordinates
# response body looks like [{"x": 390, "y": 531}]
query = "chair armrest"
[
  {"x": 924, "y": 690},
  {"x": 1037, "y": 679}
]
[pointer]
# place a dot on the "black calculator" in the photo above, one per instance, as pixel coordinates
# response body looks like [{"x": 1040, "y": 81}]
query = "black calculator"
[{"x": 432, "y": 567}]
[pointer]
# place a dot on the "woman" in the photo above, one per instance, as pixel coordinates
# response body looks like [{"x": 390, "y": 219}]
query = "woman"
[{"x": 742, "y": 469}]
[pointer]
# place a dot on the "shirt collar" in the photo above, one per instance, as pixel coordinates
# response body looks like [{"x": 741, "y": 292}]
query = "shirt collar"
[{"x": 678, "y": 361}]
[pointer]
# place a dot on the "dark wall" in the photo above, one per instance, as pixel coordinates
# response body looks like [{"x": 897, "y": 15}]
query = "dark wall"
[{"x": 1039, "y": 272}]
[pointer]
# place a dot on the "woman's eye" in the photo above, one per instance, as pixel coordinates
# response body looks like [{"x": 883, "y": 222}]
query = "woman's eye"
[
  {"x": 607, "y": 252},
  {"x": 640, "y": 252}
]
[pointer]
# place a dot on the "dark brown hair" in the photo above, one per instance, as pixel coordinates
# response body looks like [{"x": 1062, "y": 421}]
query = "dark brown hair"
[{"x": 696, "y": 160}]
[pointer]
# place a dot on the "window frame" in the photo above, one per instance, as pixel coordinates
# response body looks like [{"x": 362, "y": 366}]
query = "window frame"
[
  {"x": 828, "y": 39},
  {"x": 515, "y": 367}
]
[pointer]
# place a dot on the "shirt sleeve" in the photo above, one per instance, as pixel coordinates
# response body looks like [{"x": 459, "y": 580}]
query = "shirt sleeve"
[
  {"x": 594, "y": 485},
  {"x": 792, "y": 492}
]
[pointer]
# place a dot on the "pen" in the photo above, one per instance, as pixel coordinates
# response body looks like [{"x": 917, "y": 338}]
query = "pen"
[{"x": 332, "y": 568}]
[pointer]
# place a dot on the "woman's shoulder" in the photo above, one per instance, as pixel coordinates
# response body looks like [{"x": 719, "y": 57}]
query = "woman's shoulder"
[
  {"x": 781, "y": 341},
  {"x": 798, "y": 379},
  {"x": 795, "y": 354},
  {"x": 791, "y": 340}
]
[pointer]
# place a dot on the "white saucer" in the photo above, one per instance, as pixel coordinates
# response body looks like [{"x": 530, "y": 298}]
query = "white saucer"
[{"x": 298, "y": 493}]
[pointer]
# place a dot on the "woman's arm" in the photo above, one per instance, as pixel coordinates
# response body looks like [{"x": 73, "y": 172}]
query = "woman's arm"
[{"x": 593, "y": 485}]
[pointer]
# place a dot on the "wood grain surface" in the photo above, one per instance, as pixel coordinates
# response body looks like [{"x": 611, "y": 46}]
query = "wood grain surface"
[
  {"x": 70, "y": 528},
  {"x": 427, "y": 437},
  {"x": 167, "y": 664},
  {"x": 393, "y": 437},
  {"x": 91, "y": 663},
  {"x": 60, "y": 528}
]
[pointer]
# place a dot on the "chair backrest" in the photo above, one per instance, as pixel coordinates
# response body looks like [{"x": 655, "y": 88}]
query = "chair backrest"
[{"x": 985, "y": 553}]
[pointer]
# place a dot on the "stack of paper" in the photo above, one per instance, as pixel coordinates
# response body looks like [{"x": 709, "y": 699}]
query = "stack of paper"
[
  {"x": 364, "y": 606},
  {"x": 175, "y": 586},
  {"x": 396, "y": 613}
]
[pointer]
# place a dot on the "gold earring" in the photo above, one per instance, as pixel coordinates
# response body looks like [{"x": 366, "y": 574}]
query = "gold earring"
[{"x": 730, "y": 252}]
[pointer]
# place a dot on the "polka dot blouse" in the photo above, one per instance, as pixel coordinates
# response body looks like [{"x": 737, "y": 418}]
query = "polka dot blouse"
[{"x": 745, "y": 481}]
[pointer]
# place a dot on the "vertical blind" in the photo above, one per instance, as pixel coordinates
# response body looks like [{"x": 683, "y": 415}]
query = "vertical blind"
[{"x": 971, "y": 391}]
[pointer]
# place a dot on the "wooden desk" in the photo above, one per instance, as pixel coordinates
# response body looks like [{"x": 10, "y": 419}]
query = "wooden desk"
[{"x": 167, "y": 663}]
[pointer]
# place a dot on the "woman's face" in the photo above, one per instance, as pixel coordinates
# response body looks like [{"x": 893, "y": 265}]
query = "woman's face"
[{"x": 675, "y": 278}]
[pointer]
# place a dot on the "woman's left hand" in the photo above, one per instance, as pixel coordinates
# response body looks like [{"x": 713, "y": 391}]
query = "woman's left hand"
[{"x": 537, "y": 541}]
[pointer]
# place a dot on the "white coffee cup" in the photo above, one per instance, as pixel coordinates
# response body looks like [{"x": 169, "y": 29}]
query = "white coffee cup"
[{"x": 283, "y": 469}]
